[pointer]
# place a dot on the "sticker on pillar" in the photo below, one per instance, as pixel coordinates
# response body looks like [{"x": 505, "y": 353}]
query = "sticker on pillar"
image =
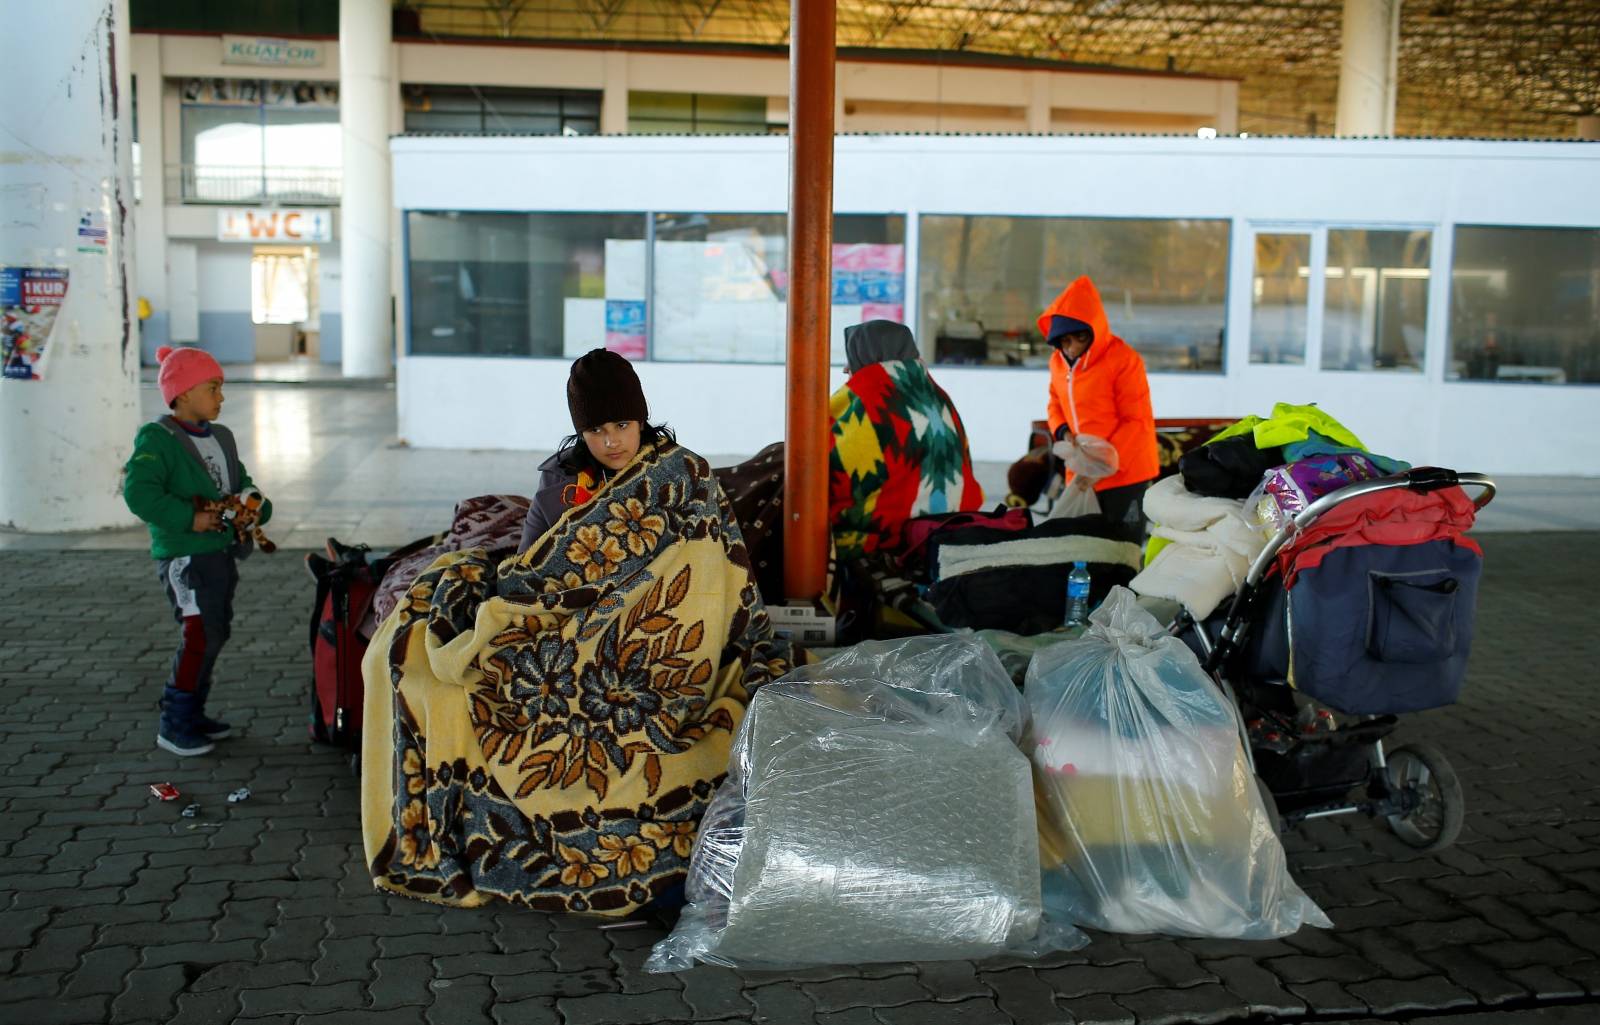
[
  {"x": 625, "y": 327},
  {"x": 30, "y": 298},
  {"x": 92, "y": 232}
]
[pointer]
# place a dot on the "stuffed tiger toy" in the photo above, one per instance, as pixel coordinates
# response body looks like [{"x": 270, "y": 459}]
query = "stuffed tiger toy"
[{"x": 240, "y": 513}]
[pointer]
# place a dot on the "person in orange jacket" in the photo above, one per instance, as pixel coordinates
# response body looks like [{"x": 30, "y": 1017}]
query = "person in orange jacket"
[{"x": 1098, "y": 387}]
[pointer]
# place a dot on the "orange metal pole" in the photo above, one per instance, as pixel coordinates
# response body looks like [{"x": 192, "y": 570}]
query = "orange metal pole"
[{"x": 805, "y": 492}]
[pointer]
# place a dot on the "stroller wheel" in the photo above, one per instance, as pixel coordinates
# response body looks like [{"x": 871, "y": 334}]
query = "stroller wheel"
[
  {"x": 1429, "y": 794},
  {"x": 1270, "y": 803}
]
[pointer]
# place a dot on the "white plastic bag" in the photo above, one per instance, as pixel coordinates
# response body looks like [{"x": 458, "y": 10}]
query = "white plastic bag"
[
  {"x": 1091, "y": 460},
  {"x": 871, "y": 820},
  {"x": 1151, "y": 820}
]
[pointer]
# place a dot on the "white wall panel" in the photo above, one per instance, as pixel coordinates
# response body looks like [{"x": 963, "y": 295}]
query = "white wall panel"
[{"x": 730, "y": 408}]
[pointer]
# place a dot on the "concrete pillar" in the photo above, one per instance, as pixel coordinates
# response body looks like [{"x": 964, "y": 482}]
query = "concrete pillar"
[
  {"x": 614, "y": 95},
  {"x": 150, "y": 242},
  {"x": 66, "y": 203},
  {"x": 1589, "y": 127},
  {"x": 366, "y": 96},
  {"x": 1369, "y": 46}
]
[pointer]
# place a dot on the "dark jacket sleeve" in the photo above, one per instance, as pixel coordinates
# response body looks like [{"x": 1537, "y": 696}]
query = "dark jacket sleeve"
[
  {"x": 534, "y": 526},
  {"x": 545, "y": 508}
]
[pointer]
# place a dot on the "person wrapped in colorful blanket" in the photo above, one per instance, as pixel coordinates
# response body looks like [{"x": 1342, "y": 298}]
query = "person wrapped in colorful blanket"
[
  {"x": 549, "y": 730},
  {"x": 898, "y": 448}
]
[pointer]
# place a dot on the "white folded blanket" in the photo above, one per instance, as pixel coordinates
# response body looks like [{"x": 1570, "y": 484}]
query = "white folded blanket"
[
  {"x": 954, "y": 560},
  {"x": 1212, "y": 546},
  {"x": 1174, "y": 506}
]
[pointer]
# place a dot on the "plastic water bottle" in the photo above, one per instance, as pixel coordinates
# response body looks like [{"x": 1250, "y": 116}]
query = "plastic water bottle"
[{"x": 1078, "y": 595}]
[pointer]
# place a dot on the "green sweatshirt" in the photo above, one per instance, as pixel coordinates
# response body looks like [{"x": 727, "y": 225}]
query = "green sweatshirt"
[{"x": 160, "y": 482}]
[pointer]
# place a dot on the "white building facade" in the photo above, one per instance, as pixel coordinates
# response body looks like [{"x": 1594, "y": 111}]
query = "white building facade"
[{"x": 1442, "y": 298}]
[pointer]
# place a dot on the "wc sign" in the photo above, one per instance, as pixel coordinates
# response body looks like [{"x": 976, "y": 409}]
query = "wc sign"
[{"x": 285, "y": 225}]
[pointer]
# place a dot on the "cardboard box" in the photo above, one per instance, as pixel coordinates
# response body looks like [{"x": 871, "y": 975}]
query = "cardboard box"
[{"x": 803, "y": 623}]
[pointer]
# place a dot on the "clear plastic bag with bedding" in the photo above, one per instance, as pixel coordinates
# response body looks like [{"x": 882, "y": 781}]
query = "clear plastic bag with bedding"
[{"x": 1151, "y": 820}]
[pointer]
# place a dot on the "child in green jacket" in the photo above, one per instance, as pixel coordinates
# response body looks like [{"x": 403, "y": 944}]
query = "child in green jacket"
[{"x": 176, "y": 459}]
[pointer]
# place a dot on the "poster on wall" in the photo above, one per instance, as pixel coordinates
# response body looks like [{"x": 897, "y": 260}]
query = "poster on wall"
[
  {"x": 625, "y": 327},
  {"x": 92, "y": 232},
  {"x": 869, "y": 274},
  {"x": 30, "y": 298}
]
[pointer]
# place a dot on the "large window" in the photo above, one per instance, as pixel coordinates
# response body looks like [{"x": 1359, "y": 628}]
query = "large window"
[
  {"x": 652, "y": 113},
  {"x": 463, "y": 108},
  {"x": 985, "y": 280},
  {"x": 520, "y": 284},
  {"x": 255, "y": 141},
  {"x": 722, "y": 283},
  {"x": 1525, "y": 305},
  {"x": 1375, "y": 310},
  {"x": 557, "y": 285}
]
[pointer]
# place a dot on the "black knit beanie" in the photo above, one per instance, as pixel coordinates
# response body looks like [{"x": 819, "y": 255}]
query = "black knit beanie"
[{"x": 603, "y": 388}]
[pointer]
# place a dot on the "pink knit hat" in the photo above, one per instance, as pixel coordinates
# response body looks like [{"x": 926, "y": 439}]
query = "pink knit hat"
[{"x": 182, "y": 369}]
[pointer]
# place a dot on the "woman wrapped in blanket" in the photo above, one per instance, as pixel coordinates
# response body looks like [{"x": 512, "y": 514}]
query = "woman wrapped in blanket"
[
  {"x": 897, "y": 447},
  {"x": 549, "y": 730},
  {"x": 609, "y": 423}
]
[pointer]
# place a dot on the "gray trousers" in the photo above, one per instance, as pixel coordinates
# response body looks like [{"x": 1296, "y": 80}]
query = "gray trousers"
[{"x": 200, "y": 589}]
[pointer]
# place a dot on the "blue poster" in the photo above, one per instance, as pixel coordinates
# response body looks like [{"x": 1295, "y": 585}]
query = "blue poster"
[
  {"x": 625, "y": 327},
  {"x": 882, "y": 286},
  {"x": 30, "y": 298},
  {"x": 625, "y": 316}
]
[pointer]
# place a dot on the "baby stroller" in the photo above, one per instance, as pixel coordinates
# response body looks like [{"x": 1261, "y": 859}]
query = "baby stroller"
[{"x": 1362, "y": 605}]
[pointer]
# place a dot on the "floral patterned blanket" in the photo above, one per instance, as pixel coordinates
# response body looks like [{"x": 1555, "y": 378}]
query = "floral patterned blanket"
[{"x": 549, "y": 730}]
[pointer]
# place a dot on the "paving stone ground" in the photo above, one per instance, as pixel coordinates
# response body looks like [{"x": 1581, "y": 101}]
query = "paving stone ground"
[{"x": 113, "y": 908}]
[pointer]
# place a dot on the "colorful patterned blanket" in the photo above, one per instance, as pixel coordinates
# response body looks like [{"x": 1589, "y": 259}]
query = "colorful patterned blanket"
[
  {"x": 549, "y": 730},
  {"x": 898, "y": 450}
]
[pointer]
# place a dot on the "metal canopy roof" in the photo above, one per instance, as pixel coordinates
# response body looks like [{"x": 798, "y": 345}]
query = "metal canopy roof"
[{"x": 1466, "y": 67}]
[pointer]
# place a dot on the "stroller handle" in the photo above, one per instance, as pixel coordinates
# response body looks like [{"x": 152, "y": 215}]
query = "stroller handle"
[
  {"x": 1421, "y": 479},
  {"x": 1436, "y": 478}
]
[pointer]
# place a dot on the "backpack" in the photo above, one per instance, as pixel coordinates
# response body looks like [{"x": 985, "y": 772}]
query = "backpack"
[
  {"x": 918, "y": 534},
  {"x": 345, "y": 588},
  {"x": 1017, "y": 580}
]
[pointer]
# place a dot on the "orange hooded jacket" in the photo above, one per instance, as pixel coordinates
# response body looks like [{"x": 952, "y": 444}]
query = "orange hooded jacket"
[{"x": 1106, "y": 394}]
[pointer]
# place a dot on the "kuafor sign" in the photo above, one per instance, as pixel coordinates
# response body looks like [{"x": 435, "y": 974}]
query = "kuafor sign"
[
  {"x": 289, "y": 53},
  {"x": 282, "y": 225}
]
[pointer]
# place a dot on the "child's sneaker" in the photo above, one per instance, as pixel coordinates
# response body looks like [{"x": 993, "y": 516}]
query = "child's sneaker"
[
  {"x": 211, "y": 729},
  {"x": 214, "y": 729},
  {"x": 180, "y": 730},
  {"x": 182, "y": 742}
]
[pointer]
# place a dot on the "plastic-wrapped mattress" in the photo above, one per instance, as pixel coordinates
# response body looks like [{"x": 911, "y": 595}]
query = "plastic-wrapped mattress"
[{"x": 864, "y": 820}]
